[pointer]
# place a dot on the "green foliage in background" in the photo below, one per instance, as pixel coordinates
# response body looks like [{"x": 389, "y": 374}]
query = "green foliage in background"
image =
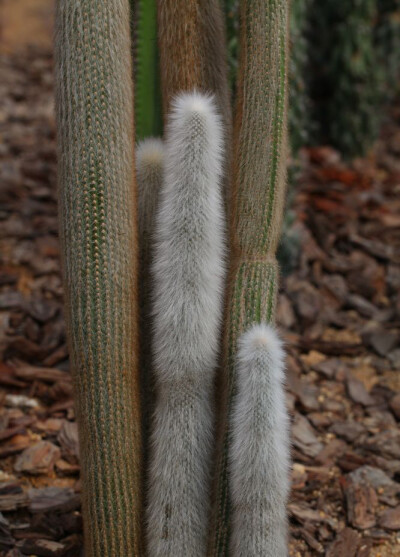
[
  {"x": 346, "y": 75},
  {"x": 147, "y": 82},
  {"x": 299, "y": 101},
  {"x": 345, "y": 65},
  {"x": 387, "y": 39}
]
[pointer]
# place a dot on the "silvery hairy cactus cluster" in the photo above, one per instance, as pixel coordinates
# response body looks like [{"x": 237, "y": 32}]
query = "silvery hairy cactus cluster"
[
  {"x": 170, "y": 275},
  {"x": 188, "y": 270}
]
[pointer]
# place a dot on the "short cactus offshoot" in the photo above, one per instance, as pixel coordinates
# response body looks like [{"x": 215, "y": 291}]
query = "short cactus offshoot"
[
  {"x": 188, "y": 293},
  {"x": 259, "y": 451}
]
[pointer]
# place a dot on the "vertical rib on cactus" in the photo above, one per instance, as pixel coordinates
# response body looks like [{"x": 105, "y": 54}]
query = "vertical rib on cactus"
[
  {"x": 259, "y": 163},
  {"x": 193, "y": 52},
  {"x": 149, "y": 172},
  {"x": 97, "y": 228},
  {"x": 189, "y": 275},
  {"x": 259, "y": 451},
  {"x": 147, "y": 84}
]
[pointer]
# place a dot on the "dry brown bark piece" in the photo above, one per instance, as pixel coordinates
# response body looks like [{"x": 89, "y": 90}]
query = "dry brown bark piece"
[
  {"x": 390, "y": 519},
  {"x": 346, "y": 544},
  {"x": 50, "y": 499},
  {"x": 68, "y": 438},
  {"x": 357, "y": 392},
  {"x": 38, "y": 459},
  {"x": 361, "y": 501},
  {"x": 332, "y": 452},
  {"x": 383, "y": 341},
  {"x": 385, "y": 444},
  {"x": 349, "y": 430},
  {"x": 12, "y": 496},
  {"x": 33, "y": 373},
  {"x": 15, "y": 445},
  {"x": 41, "y": 548},
  {"x": 304, "y": 437}
]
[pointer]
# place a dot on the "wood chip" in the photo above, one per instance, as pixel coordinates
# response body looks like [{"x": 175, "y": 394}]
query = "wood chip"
[
  {"x": 361, "y": 501},
  {"x": 51, "y": 499},
  {"x": 38, "y": 459},
  {"x": 390, "y": 519}
]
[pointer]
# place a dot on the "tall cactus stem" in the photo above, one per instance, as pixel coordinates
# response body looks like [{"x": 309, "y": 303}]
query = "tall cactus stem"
[
  {"x": 259, "y": 451},
  {"x": 194, "y": 55},
  {"x": 94, "y": 100},
  {"x": 149, "y": 173},
  {"x": 188, "y": 293},
  {"x": 256, "y": 210}
]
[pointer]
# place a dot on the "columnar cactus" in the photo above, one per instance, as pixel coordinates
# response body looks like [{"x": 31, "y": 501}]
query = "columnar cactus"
[
  {"x": 259, "y": 158},
  {"x": 189, "y": 274},
  {"x": 259, "y": 451},
  {"x": 149, "y": 173},
  {"x": 192, "y": 51},
  {"x": 98, "y": 234}
]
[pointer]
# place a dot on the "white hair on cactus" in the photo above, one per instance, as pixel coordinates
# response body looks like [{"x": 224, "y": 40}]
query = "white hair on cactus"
[
  {"x": 189, "y": 272},
  {"x": 259, "y": 454}
]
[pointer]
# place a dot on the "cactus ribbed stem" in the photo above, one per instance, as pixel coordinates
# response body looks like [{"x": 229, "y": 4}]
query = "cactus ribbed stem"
[
  {"x": 188, "y": 294},
  {"x": 193, "y": 55},
  {"x": 193, "y": 52},
  {"x": 259, "y": 176},
  {"x": 98, "y": 234},
  {"x": 259, "y": 451},
  {"x": 149, "y": 173},
  {"x": 260, "y": 142}
]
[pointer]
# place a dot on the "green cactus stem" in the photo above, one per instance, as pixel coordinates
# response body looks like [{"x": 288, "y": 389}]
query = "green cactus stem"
[
  {"x": 94, "y": 100},
  {"x": 149, "y": 173},
  {"x": 259, "y": 178}
]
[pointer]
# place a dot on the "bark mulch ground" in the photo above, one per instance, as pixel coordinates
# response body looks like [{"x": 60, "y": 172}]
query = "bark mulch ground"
[{"x": 339, "y": 311}]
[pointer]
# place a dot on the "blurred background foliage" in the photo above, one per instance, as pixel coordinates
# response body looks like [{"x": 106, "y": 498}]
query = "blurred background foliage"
[{"x": 344, "y": 68}]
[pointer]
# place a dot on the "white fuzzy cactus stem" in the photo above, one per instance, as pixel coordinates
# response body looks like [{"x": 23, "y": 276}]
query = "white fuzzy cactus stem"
[
  {"x": 188, "y": 293},
  {"x": 259, "y": 454}
]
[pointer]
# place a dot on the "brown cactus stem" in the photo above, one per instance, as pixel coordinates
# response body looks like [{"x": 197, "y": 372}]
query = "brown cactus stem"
[{"x": 97, "y": 211}]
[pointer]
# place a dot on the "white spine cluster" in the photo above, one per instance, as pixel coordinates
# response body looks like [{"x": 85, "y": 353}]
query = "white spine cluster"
[
  {"x": 259, "y": 457},
  {"x": 189, "y": 273}
]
